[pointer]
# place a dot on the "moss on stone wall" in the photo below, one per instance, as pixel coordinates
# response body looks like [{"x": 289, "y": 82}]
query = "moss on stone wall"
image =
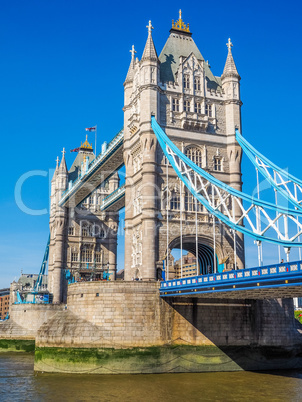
[
  {"x": 166, "y": 359},
  {"x": 133, "y": 360},
  {"x": 17, "y": 345}
]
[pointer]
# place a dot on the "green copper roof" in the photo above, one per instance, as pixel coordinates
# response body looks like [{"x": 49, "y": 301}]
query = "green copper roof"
[{"x": 181, "y": 45}]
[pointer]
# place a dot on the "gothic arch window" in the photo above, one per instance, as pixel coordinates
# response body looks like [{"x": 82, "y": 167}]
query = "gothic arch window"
[
  {"x": 186, "y": 81},
  {"x": 217, "y": 164},
  {"x": 74, "y": 256},
  {"x": 209, "y": 110},
  {"x": 175, "y": 105},
  {"x": 190, "y": 204},
  {"x": 175, "y": 200},
  {"x": 71, "y": 230},
  {"x": 86, "y": 255},
  {"x": 197, "y": 84},
  {"x": 197, "y": 107},
  {"x": 195, "y": 154},
  {"x": 187, "y": 106}
]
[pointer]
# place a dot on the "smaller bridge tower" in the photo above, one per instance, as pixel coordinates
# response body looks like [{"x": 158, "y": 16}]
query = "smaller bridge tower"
[{"x": 83, "y": 239}]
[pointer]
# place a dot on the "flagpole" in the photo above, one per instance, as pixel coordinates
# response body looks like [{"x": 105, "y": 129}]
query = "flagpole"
[{"x": 95, "y": 140}]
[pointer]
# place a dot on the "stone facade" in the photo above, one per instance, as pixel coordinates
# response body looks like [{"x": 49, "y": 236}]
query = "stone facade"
[
  {"x": 199, "y": 112},
  {"x": 83, "y": 240},
  {"x": 124, "y": 327},
  {"x": 26, "y": 319}
]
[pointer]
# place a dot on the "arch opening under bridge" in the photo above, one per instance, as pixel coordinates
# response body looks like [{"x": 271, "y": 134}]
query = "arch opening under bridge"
[{"x": 205, "y": 253}]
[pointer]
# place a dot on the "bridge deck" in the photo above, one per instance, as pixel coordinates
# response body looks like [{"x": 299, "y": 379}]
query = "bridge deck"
[
  {"x": 102, "y": 167},
  {"x": 273, "y": 281}
]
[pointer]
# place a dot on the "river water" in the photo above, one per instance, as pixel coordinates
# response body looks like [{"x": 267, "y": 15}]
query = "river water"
[{"x": 19, "y": 383}]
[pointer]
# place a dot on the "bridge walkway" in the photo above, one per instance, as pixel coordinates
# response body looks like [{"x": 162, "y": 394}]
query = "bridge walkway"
[
  {"x": 114, "y": 201},
  {"x": 268, "y": 282},
  {"x": 100, "y": 169}
]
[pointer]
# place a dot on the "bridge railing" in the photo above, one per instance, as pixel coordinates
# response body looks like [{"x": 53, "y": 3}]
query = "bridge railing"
[
  {"x": 96, "y": 161},
  {"x": 248, "y": 274}
]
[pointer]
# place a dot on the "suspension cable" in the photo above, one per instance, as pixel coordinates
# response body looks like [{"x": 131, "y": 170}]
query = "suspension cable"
[
  {"x": 296, "y": 197},
  {"x": 234, "y": 237},
  {"x": 167, "y": 211},
  {"x": 214, "y": 234},
  {"x": 181, "y": 262},
  {"x": 276, "y": 201},
  {"x": 259, "y": 243},
  {"x": 196, "y": 233}
]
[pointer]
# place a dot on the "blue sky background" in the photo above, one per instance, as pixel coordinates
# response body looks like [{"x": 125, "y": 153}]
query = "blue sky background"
[{"x": 62, "y": 68}]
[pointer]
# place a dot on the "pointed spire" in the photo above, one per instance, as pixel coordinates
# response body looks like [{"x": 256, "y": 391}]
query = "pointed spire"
[
  {"x": 230, "y": 67},
  {"x": 149, "y": 51},
  {"x": 130, "y": 73},
  {"x": 56, "y": 170},
  {"x": 63, "y": 166}
]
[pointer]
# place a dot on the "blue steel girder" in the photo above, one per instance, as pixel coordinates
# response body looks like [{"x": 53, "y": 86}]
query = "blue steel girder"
[
  {"x": 43, "y": 268},
  {"x": 263, "y": 220},
  {"x": 282, "y": 181},
  {"x": 268, "y": 282},
  {"x": 100, "y": 169}
]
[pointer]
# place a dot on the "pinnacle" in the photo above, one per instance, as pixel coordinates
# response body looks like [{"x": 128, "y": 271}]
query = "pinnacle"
[
  {"x": 230, "y": 66},
  {"x": 63, "y": 166},
  {"x": 130, "y": 73},
  {"x": 150, "y": 51}
]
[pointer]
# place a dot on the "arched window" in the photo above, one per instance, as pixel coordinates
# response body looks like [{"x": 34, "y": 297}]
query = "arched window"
[
  {"x": 197, "y": 83},
  {"x": 190, "y": 204},
  {"x": 186, "y": 81},
  {"x": 175, "y": 201},
  {"x": 195, "y": 155},
  {"x": 86, "y": 254}
]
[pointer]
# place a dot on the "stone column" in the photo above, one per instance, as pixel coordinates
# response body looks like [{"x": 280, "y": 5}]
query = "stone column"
[{"x": 149, "y": 207}]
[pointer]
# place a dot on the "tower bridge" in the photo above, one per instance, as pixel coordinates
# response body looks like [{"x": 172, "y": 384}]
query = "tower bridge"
[{"x": 181, "y": 147}]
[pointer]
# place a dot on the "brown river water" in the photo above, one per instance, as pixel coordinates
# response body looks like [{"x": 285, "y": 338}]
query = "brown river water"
[{"x": 18, "y": 382}]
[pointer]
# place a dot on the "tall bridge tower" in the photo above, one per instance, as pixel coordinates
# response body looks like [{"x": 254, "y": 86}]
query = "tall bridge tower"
[
  {"x": 199, "y": 112},
  {"x": 83, "y": 239}
]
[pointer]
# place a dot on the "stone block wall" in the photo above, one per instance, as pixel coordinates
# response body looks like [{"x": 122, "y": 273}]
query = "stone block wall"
[
  {"x": 125, "y": 327},
  {"x": 26, "y": 319},
  {"x": 131, "y": 314}
]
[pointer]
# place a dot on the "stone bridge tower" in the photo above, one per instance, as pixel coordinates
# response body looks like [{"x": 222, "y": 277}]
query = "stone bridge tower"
[
  {"x": 199, "y": 112},
  {"x": 83, "y": 239}
]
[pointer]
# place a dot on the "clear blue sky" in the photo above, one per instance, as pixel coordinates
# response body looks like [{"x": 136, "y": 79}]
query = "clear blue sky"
[{"x": 62, "y": 68}]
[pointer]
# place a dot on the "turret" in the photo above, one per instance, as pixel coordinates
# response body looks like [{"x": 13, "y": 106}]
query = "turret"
[
  {"x": 230, "y": 84},
  {"x": 114, "y": 182},
  {"x": 62, "y": 177},
  {"x": 57, "y": 222}
]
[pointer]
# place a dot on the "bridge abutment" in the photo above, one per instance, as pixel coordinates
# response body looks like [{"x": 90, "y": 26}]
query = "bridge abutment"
[{"x": 124, "y": 327}]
